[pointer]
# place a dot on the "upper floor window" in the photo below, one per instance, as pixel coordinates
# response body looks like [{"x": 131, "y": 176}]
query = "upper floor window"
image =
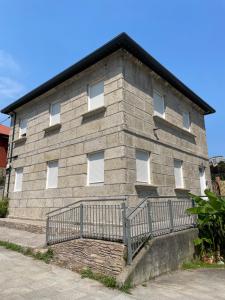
[
  {"x": 143, "y": 166},
  {"x": 178, "y": 173},
  {"x": 95, "y": 168},
  {"x": 54, "y": 113},
  {"x": 23, "y": 128},
  {"x": 52, "y": 174},
  {"x": 18, "y": 179},
  {"x": 96, "y": 95},
  {"x": 159, "y": 104},
  {"x": 186, "y": 120}
]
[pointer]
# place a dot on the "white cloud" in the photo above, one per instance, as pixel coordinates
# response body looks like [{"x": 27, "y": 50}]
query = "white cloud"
[
  {"x": 7, "y": 62},
  {"x": 10, "y": 88},
  {"x": 10, "y": 85}
]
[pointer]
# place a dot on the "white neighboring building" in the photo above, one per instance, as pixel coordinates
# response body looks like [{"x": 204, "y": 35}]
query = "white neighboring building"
[{"x": 215, "y": 160}]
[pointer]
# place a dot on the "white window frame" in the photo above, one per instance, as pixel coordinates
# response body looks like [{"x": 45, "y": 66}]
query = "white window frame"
[
  {"x": 184, "y": 114},
  {"x": 148, "y": 181},
  {"x": 181, "y": 179},
  {"x": 55, "y": 185},
  {"x": 51, "y": 116},
  {"x": 17, "y": 178},
  {"x": 156, "y": 113},
  {"x": 23, "y": 131},
  {"x": 93, "y": 183},
  {"x": 90, "y": 105}
]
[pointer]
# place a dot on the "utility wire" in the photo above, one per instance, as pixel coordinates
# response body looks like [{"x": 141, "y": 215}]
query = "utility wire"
[{"x": 4, "y": 120}]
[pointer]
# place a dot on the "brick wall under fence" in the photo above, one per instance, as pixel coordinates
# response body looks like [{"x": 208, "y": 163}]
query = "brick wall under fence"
[{"x": 103, "y": 257}]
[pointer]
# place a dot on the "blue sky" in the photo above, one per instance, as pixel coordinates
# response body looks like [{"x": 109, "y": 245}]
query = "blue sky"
[{"x": 40, "y": 38}]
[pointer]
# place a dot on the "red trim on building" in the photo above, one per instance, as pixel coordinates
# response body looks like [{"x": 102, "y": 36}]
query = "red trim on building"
[{"x": 4, "y": 138}]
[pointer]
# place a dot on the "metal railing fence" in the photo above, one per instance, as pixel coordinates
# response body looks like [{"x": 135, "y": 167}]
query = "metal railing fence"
[
  {"x": 90, "y": 218},
  {"x": 113, "y": 221},
  {"x": 155, "y": 218}
]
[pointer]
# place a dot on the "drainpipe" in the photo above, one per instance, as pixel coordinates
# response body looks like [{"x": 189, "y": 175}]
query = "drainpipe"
[{"x": 10, "y": 156}]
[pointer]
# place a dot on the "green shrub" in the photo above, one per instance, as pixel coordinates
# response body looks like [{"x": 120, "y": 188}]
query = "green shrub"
[
  {"x": 3, "y": 207},
  {"x": 211, "y": 223}
]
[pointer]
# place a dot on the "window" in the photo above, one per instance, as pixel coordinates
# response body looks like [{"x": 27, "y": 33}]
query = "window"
[
  {"x": 95, "y": 168},
  {"x": 159, "y": 106},
  {"x": 54, "y": 113},
  {"x": 18, "y": 180},
  {"x": 186, "y": 120},
  {"x": 96, "y": 95},
  {"x": 142, "y": 166},
  {"x": 178, "y": 173},
  {"x": 52, "y": 174},
  {"x": 23, "y": 128},
  {"x": 202, "y": 180}
]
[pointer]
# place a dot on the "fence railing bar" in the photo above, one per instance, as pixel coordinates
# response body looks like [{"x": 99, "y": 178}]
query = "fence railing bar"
[
  {"x": 92, "y": 199},
  {"x": 81, "y": 220}
]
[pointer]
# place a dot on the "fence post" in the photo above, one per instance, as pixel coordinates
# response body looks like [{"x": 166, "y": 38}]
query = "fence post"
[
  {"x": 123, "y": 208},
  {"x": 47, "y": 231},
  {"x": 149, "y": 218},
  {"x": 128, "y": 237},
  {"x": 170, "y": 215},
  {"x": 81, "y": 220}
]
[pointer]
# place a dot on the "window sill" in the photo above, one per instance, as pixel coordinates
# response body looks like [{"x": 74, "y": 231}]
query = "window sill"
[
  {"x": 169, "y": 124},
  {"x": 52, "y": 128},
  {"x": 147, "y": 186},
  {"x": 20, "y": 140},
  {"x": 182, "y": 190},
  {"x": 94, "y": 112},
  {"x": 95, "y": 184}
]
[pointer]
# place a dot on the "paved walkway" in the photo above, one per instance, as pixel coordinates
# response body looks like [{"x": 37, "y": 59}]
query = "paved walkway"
[
  {"x": 22, "y": 277},
  {"x": 207, "y": 284},
  {"x": 23, "y": 238}
]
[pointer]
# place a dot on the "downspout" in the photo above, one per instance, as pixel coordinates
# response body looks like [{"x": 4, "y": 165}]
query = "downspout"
[{"x": 10, "y": 156}]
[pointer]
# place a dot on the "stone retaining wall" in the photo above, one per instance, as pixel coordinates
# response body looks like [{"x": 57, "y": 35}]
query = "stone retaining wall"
[
  {"x": 101, "y": 256},
  {"x": 160, "y": 255},
  {"x": 24, "y": 224}
]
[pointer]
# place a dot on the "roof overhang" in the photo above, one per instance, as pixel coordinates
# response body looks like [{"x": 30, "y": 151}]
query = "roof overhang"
[{"x": 122, "y": 41}]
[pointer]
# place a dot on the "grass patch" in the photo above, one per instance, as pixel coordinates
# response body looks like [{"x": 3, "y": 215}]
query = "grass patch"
[
  {"x": 46, "y": 256},
  {"x": 198, "y": 264},
  {"x": 108, "y": 281},
  {"x": 4, "y": 203}
]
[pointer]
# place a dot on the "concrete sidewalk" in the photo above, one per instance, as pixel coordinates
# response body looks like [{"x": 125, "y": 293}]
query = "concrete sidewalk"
[
  {"x": 23, "y": 238},
  {"x": 22, "y": 277},
  {"x": 25, "y": 278}
]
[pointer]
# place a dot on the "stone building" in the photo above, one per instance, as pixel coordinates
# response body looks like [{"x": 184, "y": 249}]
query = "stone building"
[{"x": 115, "y": 123}]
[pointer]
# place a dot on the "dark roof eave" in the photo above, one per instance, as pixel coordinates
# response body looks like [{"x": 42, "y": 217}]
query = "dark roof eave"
[{"x": 121, "y": 41}]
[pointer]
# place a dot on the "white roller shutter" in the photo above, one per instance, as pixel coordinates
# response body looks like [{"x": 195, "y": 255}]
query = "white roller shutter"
[
  {"x": 96, "y": 95},
  {"x": 52, "y": 174},
  {"x": 96, "y": 168},
  {"x": 18, "y": 179},
  {"x": 142, "y": 166},
  {"x": 159, "y": 105},
  {"x": 186, "y": 120},
  {"x": 178, "y": 173},
  {"x": 55, "y": 113}
]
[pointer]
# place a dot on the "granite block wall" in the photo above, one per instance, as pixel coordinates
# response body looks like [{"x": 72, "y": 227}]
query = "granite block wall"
[{"x": 125, "y": 125}]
